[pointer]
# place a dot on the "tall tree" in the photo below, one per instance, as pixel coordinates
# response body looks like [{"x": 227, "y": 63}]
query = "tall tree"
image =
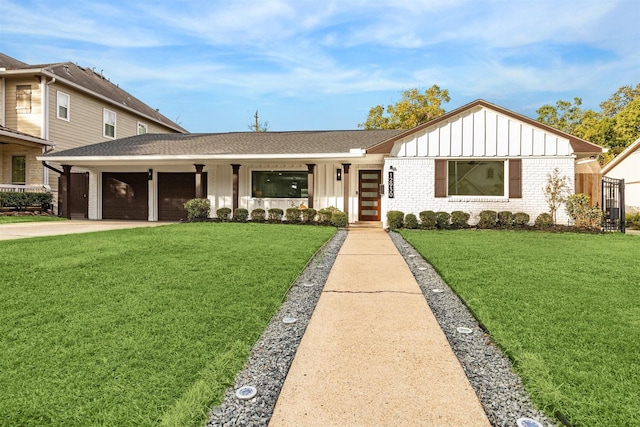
[
  {"x": 415, "y": 108},
  {"x": 257, "y": 125}
]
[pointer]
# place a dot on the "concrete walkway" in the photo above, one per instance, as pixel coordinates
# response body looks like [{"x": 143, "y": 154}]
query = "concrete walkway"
[
  {"x": 53, "y": 228},
  {"x": 373, "y": 353}
]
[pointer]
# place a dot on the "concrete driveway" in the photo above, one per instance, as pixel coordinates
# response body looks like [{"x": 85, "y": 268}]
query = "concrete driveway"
[{"x": 53, "y": 228}]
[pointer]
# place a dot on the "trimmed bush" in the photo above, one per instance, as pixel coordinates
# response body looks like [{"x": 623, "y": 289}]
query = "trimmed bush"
[
  {"x": 309, "y": 215},
  {"x": 459, "y": 219},
  {"x": 544, "y": 220},
  {"x": 520, "y": 219},
  {"x": 198, "y": 208},
  {"x": 224, "y": 214},
  {"x": 258, "y": 215},
  {"x": 293, "y": 215},
  {"x": 632, "y": 220},
  {"x": 274, "y": 214},
  {"x": 427, "y": 219},
  {"x": 339, "y": 219},
  {"x": 395, "y": 220},
  {"x": 505, "y": 219},
  {"x": 325, "y": 215},
  {"x": 21, "y": 200},
  {"x": 442, "y": 220},
  {"x": 583, "y": 214},
  {"x": 411, "y": 221},
  {"x": 488, "y": 219},
  {"x": 241, "y": 215}
]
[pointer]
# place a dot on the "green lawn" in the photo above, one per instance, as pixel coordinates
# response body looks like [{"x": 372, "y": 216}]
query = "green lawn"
[
  {"x": 564, "y": 307},
  {"x": 10, "y": 219},
  {"x": 138, "y": 327}
]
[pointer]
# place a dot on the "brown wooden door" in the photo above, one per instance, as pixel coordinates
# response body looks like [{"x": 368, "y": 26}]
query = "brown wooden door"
[
  {"x": 79, "y": 195},
  {"x": 369, "y": 195},
  {"x": 125, "y": 195}
]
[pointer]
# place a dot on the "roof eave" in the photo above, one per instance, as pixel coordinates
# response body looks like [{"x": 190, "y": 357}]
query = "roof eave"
[{"x": 623, "y": 155}]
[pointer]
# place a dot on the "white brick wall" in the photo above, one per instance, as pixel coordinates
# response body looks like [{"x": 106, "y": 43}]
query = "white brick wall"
[{"x": 414, "y": 189}]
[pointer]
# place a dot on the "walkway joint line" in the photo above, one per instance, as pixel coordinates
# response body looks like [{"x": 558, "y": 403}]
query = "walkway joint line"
[{"x": 372, "y": 292}]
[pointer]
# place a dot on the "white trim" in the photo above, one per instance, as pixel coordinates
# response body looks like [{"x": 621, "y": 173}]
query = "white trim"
[
  {"x": 26, "y": 138},
  {"x": 143, "y": 125},
  {"x": 3, "y": 90},
  {"x": 626, "y": 152}
]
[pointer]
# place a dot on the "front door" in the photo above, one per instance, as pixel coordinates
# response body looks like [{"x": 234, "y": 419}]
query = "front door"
[{"x": 369, "y": 195}]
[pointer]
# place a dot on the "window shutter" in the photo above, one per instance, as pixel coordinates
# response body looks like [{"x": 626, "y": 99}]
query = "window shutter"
[
  {"x": 515, "y": 178},
  {"x": 441, "y": 178}
]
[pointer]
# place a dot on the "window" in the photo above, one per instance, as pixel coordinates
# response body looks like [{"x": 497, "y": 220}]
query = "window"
[
  {"x": 279, "y": 184},
  {"x": 63, "y": 106},
  {"x": 23, "y": 99},
  {"x": 475, "y": 178},
  {"x": 109, "y": 123},
  {"x": 142, "y": 128},
  {"x": 18, "y": 170}
]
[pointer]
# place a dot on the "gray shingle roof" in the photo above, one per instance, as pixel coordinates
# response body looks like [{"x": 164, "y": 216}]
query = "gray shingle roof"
[
  {"x": 238, "y": 143},
  {"x": 94, "y": 82}
]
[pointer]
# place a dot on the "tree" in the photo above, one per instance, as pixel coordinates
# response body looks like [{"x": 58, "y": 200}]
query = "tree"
[
  {"x": 258, "y": 126},
  {"x": 415, "y": 108},
  {"x": 555, "y": 192},
  {"x": 615, "y": 127}
]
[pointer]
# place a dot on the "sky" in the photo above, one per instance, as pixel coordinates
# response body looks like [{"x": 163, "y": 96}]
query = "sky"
[{"x": 317, "y": 65}]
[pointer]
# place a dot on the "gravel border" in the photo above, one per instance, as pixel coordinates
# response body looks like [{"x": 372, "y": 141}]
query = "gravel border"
[{"x": 489, "y": 371}]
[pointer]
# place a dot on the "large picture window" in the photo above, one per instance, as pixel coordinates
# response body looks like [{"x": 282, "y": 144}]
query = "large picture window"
[
  {"x": 475, "y": 178},
  {"x": 279, "y": 184}
]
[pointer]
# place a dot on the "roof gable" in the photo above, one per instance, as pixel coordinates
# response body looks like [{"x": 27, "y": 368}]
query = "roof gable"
[
  {"x": 534, "y": 138},
  {"x": 620, "y": 157}
]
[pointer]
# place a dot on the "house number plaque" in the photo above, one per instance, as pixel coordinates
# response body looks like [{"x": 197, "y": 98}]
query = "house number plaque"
[{"x": 390, "y": 191}]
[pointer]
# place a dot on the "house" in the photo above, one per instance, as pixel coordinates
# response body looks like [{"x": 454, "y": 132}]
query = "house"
[
  {"x": 66, "y": 106},
  {"x": 626, "y": 165},
  {"x": 477, "y": 157}
]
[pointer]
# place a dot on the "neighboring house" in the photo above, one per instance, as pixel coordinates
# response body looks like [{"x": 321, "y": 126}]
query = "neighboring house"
[
  {"x": 477, "y": 157},
  {"x": 626, "y": 165},
  {"x": 15, "y": 171},
  {"x": 67, "y": 106}
]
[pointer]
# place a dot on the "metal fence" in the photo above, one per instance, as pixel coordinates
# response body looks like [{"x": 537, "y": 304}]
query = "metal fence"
[{"x": 613, "y": 204}]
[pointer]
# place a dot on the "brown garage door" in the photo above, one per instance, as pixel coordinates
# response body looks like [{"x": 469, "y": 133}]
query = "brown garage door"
[
  {"x": 125, "y": 195},
  {"x": 174, "y": 189}
]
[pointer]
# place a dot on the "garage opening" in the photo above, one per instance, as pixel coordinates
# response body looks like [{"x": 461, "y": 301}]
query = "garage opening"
[
  {"x": 174, "y": 189},
  {"x": 125, "y": 195}
]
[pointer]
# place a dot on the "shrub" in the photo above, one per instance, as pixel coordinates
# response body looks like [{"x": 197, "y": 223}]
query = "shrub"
[
  {"x": 442, "y": 220},
  {"x": 198, "y": 208},
  {"x": 293, "y": 215},
  {"x": 223, "y": 214},
  {"x": 339, "y": 219},
  {"x": 544, "y": 220},
  {"x": 275, "y": 214},
  {"x": 459, "y": 219},
  {"x": 241, "y": 215},
  {"x": 555, "y": 191},
  {"x": 633, "y": 219},
  {"x": 505, "y": 219},
  {"x": 583, "y": 214},
  {"x": 411, "y": 221},
  {"x": 488, "y": 219},
  {"x": 21, "y": 200},
  {"x": 395, "y": 220},
  {"x": 258, "y": 215},
  {"x": 325, "y": 214},
  {"x": 520, "y": 219},
  {"x": 427, "y": 219},
  {"x": 308, "y": 215}
]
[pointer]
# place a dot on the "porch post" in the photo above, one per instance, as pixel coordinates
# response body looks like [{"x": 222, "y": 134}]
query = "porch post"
[
  {"x": 310, "y": 184},
  {"x": 345, "y": 180},
  {"x": 199, "y": 186},
  {"x": 66, "y": 192},
  {"x": 236, "y": 170}
]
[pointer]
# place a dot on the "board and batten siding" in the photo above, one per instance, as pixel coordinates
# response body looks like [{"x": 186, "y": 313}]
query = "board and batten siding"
[{"x": 477, "y": 134}]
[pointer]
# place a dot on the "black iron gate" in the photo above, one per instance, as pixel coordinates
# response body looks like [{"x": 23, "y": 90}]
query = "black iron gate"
[{"x": 613, "y": 204}]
